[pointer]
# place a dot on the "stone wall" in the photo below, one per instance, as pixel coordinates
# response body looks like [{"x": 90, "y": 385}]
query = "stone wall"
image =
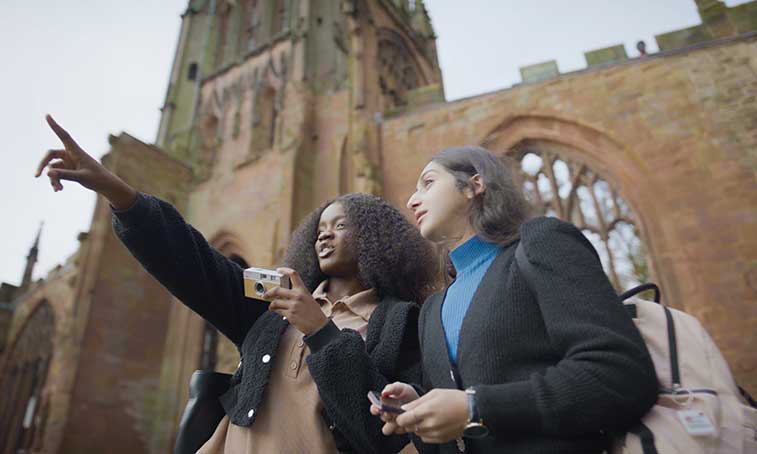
[
  {"x": 120, "y": 317},
  {"x": 675, "y": 135}
]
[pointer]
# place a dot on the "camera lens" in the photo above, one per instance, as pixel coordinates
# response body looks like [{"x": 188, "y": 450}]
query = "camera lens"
[{"x": 259, "y": 288}]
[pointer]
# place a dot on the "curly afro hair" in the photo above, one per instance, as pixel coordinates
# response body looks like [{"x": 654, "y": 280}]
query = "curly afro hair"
[{"x": 392, "y": 257}]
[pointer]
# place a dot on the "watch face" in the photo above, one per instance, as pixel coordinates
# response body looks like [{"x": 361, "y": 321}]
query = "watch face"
[{"x": 475, "y": 430}]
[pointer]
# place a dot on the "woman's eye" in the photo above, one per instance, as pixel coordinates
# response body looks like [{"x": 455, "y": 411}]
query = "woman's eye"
[
  {"x": 427, "y": 183},
  {"x": 340, "y": 225}
]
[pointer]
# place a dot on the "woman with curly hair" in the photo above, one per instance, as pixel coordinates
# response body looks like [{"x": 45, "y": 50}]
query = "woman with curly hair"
[{"x": 356, "y": 266}]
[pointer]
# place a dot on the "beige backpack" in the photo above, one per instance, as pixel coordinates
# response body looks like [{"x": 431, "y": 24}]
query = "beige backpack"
[{"x": 700, "y": 409}]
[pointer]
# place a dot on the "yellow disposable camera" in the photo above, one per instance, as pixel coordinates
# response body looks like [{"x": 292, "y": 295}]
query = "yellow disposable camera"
[{"x": 257, "y": 281}]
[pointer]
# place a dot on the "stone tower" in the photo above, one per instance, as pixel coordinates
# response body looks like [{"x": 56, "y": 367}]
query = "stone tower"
[
  {"x": 276, "y": 106},
  {"x": 261, "y": 69},
  {"x": 31, "y": 260}
]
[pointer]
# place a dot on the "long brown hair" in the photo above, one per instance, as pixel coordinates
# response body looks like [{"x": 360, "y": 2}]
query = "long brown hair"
[{"x": 497, "y": 213}]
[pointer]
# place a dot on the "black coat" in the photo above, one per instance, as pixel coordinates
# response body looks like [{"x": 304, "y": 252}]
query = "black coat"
[
  {"x": 556, "y": 361},
  {"x": 343, "y": 366}
]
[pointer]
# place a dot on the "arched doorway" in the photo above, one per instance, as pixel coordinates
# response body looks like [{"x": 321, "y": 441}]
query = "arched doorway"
[
  {"x": 23, "y": 408},
  {"x": 209, "y": 353}
]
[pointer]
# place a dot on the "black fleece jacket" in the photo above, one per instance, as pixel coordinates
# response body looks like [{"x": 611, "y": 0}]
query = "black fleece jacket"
[{"x": 343, "y": 366}]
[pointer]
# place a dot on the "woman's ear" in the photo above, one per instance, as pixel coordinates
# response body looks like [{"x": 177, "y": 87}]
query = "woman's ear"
[{"x": 476, "y": 187}]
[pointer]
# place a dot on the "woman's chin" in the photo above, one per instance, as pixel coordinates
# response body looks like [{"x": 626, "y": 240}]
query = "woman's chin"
[
  {"x": 428, "y": 232},
  {"x": 331, "y": 267},
  {"x": 325, "y": 265}
]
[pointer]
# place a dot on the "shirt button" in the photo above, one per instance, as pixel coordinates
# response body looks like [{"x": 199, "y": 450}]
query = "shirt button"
[
  {"x": 266, "y": 359},
  {"x": 251, "y": 413},
  {"x": 283, "y": 318},
  {"x": 293, "y": 365},
  {"x": 300, "y": 344}
]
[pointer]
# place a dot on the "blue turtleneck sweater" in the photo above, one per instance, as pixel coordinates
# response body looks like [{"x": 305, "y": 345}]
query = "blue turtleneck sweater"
[{"x": 471, "y": 260}]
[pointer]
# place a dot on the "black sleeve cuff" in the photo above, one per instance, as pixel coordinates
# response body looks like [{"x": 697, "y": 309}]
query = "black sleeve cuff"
[
  {"x": 508, "y": 408},
  {"x": 132, "y": 215},
  {"x": 322, "y": 337}
]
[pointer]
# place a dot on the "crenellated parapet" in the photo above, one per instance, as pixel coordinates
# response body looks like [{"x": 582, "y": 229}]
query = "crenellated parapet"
[{"x": 718, "y": 22}]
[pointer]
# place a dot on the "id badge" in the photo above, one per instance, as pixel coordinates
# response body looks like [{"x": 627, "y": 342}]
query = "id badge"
[{"x": 696, "y": 423}]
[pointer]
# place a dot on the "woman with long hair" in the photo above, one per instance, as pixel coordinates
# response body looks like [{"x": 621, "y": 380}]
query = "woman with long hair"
[
  {"x": 355, "y": 264},
  {"x": 520, "y": 355}
]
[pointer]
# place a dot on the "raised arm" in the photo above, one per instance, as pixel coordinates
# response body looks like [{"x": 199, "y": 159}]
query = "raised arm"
[
  {"x": 176, "y": 254},
  {"x": 180, "y": 258}
]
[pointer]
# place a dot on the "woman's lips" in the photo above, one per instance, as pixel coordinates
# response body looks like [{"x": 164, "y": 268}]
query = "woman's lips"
[
  {"x": 325, "y": 252},
  {"x": 420, "y": 218}
]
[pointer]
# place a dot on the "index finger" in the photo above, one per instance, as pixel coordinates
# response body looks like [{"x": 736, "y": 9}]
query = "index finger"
[
  {"x": 62, "y": 134},
  {"x": 392, "y": 389},
  {"x": 293, "y": 276},
  {"x": 49, "y": 156}
]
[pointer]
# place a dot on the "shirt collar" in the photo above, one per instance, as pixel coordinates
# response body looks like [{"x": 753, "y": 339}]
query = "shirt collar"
[
  {"x": 361, "y": 303},
  {"x": 473, "y": 251}
]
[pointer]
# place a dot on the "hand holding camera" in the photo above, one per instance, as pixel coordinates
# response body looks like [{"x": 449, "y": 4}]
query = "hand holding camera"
[{"x": 295, "y": 303}]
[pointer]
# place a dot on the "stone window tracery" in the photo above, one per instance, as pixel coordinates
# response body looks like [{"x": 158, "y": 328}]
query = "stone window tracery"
[
  {"x": 398, "y": 72},
  {"x": 571, "y": 190}
]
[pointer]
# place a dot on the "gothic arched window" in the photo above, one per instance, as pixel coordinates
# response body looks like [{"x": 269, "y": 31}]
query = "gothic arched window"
[
  {"x": 208, "y": 132},
  {"x": 571, "y": 190},
  {"x": 398, "y": 72},
  {"x": 251, "y": 21},
  {"x": 264, "y": 119},
  {"x": 23, "y": 406},
  {"x": 279, "y": 17},
  {"x": 209, "y": 351},
  {"x": 224, "y": 17}
]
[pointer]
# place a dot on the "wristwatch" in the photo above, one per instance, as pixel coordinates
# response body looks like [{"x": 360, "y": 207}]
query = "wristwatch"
[{"x": 475, "y": 427}]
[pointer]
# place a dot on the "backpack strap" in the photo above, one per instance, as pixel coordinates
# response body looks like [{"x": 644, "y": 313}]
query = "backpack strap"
[
  {"x": 641, "y": 288},
  {"x": 675, "y": 373},
  {"x": 646, "y": 437}
]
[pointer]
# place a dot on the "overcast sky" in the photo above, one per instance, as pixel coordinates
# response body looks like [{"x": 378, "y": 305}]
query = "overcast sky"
[{"x": 102, "y": 67}]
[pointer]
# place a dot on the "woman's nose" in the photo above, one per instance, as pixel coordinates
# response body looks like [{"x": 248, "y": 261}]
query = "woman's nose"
[
  {"x": 325, "y": 234},
  {"x": 412, "y": 202}
]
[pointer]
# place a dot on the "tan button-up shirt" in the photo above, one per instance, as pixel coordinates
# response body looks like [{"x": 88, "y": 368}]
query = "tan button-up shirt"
[{"x": 289, "y": 420}]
